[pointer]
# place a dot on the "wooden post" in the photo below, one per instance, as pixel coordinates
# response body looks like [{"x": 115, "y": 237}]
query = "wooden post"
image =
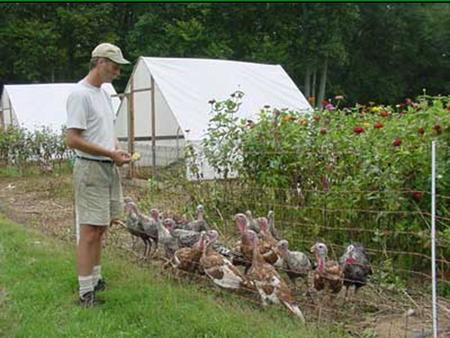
[
  {"x": 2, "y": 116},
  {"x": 131, "y": 127},
  {"x": 153, "y": 125},
  {"x": 10, "y": 113}
]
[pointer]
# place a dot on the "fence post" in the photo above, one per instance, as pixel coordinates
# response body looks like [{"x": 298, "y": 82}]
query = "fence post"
[
  {"x": 153, "y": 117},
  {"x": 130, "y": 101},
  {"x": 433, "y": 237}
]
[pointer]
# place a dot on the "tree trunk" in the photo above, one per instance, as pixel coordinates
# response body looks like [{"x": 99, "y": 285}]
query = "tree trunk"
[
  {"x": 313, "y": 89},
  {"x": 307, "y": 87},
  {"x": 323, "y": 82}
]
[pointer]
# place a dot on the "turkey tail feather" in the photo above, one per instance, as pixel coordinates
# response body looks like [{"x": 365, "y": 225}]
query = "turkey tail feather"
[{"x": 295, "y": 310}]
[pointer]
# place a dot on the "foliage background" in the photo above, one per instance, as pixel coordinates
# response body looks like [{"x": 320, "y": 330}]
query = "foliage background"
[
  {"x": 379, "y": 52},
  {"x": 339, "y": 175}
]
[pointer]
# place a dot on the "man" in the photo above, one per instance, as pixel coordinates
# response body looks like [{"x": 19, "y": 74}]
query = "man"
[{"x": 98, "y": 193}]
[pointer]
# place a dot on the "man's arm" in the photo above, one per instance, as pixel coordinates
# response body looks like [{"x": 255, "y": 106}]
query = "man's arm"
[{"x": 75, "y": 141}]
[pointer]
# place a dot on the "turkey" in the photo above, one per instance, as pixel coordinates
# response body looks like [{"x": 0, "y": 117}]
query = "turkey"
[
  {"x": 199, "y": 224},
  {"x": 295, "y": 263},
  {"x": 187, "y": 259},
  {"x": 267, "y": 248},
  {"x": 273, "y": 230},
  {"x": 134, "y": 225},
  {"x": 234, "y": 256},
  {"x": 265, "y": 233},
  {"x": 219, "y": 269},
  {"x": 328, "y": 274},
  {"x": 149, "y": 224},
  {"x": 180, "y": 221},
  {"x": 252, "y": 224},
  {"x": 356, "y": 267},
  {"x": 165, "y": 238},
  {"x": 268, "y": 282},
  {"x": 245, "y": 246},
  {"x": 268, "y": 244},
  {"x": 185, "y": 238}
]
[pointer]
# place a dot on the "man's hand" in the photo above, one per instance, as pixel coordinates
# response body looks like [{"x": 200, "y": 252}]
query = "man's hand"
[{"x": 120, "y": 157}]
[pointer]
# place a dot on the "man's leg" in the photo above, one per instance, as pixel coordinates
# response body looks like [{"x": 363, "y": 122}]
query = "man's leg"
[
  {"x": 97, "y": 272},
  {"x": 90, "y": 237}
]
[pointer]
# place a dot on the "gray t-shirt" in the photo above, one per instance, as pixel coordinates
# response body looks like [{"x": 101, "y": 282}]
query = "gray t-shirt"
[{"x": 90, "y": 108}]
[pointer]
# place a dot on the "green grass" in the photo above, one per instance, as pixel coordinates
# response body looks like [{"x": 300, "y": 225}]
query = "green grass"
[
  {"x": 38, "y": 293},
  {"x": 33, "y": 170}
]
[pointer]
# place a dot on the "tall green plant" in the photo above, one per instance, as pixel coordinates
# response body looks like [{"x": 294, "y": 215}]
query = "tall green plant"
[{"x": 225, "y": 129}]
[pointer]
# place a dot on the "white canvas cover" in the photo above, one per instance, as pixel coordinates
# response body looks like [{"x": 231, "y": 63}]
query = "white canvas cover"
[
  {"x": 35, "y": 105},
  {"x": 183, "y": 89}
]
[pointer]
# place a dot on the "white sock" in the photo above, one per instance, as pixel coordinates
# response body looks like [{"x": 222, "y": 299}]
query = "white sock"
[
  {"x": 86, "y": 284},
  {"x": 97, "y": 274}
]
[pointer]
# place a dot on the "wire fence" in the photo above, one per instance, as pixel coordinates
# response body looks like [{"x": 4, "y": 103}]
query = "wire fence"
[{"x": 397, "y": 299}]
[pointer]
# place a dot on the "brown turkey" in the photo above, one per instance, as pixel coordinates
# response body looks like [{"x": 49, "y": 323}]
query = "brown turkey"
[{"x": 271, "y": 287}]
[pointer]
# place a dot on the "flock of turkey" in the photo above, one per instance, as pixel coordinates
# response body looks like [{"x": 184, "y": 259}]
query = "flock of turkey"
[{"x": 195, "y": 247}]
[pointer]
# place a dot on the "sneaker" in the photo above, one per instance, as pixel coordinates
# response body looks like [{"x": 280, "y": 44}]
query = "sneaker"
[
  {"x": 89, "y": 300},
  {"x": 101, "y": 285}
]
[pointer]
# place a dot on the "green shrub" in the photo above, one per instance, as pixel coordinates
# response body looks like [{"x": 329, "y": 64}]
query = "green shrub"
[
  {"x": 361, "y": 173},
  {"x": 21, "y": 148}
]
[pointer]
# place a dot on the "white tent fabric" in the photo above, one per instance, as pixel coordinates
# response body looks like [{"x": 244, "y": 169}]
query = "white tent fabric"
[
  {"x": 35, "y": 105},
  {"x": 183, "y": 89}
]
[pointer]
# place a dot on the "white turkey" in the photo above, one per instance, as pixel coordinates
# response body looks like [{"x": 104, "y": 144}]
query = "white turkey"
[{"x": 295, "y": 263}]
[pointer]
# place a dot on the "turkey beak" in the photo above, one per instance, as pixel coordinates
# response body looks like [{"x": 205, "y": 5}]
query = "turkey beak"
[{"x": 313, "y": 249}]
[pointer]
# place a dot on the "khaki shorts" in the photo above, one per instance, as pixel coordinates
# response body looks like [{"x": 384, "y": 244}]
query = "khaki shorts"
[{"x": 98, "y": 192}]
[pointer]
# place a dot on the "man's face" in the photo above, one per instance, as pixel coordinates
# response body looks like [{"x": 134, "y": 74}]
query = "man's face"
[{"x": 108, "y": 70}]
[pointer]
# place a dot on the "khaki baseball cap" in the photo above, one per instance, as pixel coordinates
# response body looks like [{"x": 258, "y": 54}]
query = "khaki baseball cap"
[{"x": 109, "y": 51}]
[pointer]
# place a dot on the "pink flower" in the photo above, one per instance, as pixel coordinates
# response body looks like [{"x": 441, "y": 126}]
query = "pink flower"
[{"x": 329, "y": 106}]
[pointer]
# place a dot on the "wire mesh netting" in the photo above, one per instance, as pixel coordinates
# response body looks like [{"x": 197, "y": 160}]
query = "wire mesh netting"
[{"x": 396, "y": 236}]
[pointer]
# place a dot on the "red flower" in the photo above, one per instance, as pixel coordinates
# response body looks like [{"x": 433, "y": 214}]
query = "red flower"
[
  {"x": 384, "y": 113},
  {"x": 378, "y": 125},
  {"x": 437, "y": 128},
  {"x": 408, "y": 101},
  {"x": 397, "y": 142},
  {"x": 417, "y": 195},
  {"x": 421, "y": 131},
  {"x": 323, "y": 131},
  {"x": 324, "y": 102},
  {"x": 358, "y": 130}
]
